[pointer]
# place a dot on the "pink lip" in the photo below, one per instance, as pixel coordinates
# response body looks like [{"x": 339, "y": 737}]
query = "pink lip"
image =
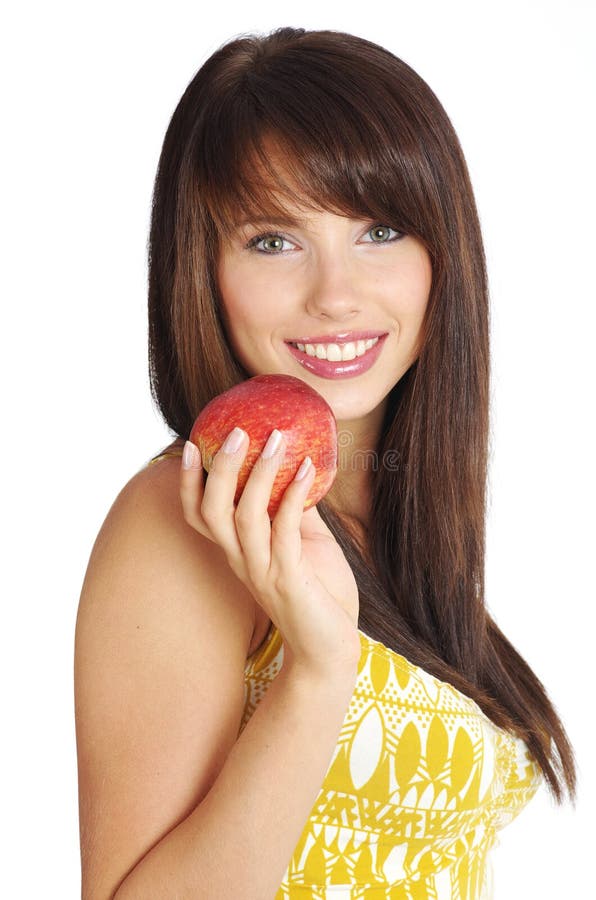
[
  {"x": 344, "y": 337},
  {"x": 348, "y": 369}
]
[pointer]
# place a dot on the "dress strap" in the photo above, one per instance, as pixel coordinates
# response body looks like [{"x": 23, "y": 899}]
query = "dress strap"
[{"x": 171, "y": 452}]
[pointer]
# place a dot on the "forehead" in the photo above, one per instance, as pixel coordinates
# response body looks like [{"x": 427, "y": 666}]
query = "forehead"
[
  {"x": 271, "y": 185},
  {"x": 305, "y": 219},
  {"x": 284, "y": 213},
  {"x": 290, "y": 217}
]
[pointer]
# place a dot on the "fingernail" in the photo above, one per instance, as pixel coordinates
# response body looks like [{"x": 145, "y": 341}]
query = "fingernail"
[
  {"x": 273, "y": 442},
  {"x": 306, "y": 463},
  {"x": 233, "y": 441},
  {"x": 191, "y": 458}
]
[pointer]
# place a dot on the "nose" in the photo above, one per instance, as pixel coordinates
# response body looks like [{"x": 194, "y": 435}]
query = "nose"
[{"x": 332, "y": 291}]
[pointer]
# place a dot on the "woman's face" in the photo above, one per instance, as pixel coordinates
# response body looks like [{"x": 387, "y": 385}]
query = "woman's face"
[{"x": 322, "y": 279}]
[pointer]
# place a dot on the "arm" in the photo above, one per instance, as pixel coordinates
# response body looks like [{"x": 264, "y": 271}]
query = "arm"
[
  {"x": 170, "y": 803},
  {"x": 239, "y": 840}
]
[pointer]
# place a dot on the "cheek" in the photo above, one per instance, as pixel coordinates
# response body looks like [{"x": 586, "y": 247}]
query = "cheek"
[
  {"x": 248, "y": 310},
  {"x": 235, "y": 298},
  {"x": 247, "y": 297},
  {"x": 410, "y": 294},
  {"x": 414, "y": 291}
]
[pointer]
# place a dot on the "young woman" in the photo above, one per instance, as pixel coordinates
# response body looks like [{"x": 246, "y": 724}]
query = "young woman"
[{"x": 318, "y": 705}]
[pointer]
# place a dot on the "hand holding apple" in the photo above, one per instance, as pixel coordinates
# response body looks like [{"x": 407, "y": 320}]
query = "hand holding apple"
[{"x": 260, "y": 404}]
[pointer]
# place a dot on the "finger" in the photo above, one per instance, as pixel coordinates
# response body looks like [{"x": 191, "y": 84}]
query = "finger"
[
  {"x": 286, "y": 538},
  {"x": 191, "y": 487},
  {"x": 253, "y": 525},
  {"x": 217, "y": 507}
]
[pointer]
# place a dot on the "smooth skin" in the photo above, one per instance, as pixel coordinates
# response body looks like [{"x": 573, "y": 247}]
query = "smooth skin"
[
  {"x": 322, "y": 273},
  {"x": 293, "y": 565},
  {"x": 173, "y": 802}
]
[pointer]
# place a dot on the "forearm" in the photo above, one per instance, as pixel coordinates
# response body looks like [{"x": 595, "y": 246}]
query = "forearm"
[{"x": 239, "y": 840}]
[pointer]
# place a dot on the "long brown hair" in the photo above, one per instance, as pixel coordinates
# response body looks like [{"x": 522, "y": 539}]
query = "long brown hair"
[{"x": 366, "y": 137}]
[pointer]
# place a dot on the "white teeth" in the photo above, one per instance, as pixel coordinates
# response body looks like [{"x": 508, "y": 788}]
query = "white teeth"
[
  {"x": 333, "y": 352},
  {"x": 337, "y": 353}
]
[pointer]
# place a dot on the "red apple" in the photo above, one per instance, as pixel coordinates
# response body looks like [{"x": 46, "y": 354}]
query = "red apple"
[{"x": 260, "y": 404}]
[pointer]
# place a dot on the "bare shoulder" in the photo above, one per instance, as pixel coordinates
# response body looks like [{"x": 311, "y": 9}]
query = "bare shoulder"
[
  {"x": 146, "y": 538},
  {"x": 162, "y": 634}
]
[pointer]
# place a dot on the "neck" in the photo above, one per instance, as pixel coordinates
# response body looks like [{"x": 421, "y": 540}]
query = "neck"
[{"x": 351, "y": 492}]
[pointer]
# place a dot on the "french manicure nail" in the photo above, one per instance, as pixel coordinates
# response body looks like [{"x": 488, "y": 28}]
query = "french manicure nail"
[
  {"x": 305, "y": 466},
  {"x": 191, "y": 458},
  {"x": 233, "y": 441},
  {"x": 273, "y": 442}
]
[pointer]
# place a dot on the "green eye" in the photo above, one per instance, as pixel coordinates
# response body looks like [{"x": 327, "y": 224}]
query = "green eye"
[
  {"x": 272, "y": 243},
  {"x": 267, "y": 243},
  {"x": 381, "y": 234}
]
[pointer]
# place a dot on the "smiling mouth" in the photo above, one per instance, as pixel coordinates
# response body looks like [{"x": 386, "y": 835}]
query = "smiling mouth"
[{"x": 335, "y": 352}]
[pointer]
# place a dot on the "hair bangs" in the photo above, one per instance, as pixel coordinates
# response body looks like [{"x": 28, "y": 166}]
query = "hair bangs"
[{"x": 276, "y": 155}]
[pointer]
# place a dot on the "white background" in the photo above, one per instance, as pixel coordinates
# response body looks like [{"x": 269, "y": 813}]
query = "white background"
[{"x": 88, "y": 93}]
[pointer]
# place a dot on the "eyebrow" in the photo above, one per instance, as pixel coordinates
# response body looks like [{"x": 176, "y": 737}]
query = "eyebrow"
[{"x": 281, "y": 221}]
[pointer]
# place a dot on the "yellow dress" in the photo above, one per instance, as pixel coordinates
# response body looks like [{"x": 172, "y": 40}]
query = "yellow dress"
[{"x": 419, "y": 785}]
